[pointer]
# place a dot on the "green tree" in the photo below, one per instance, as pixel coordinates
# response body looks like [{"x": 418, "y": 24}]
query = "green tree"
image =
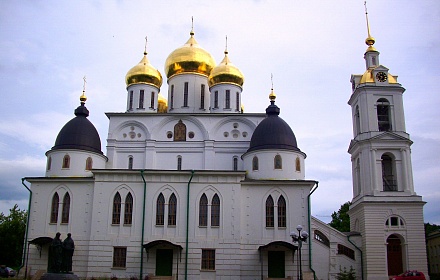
[
  {"x": 346, "y": 275},
  {"x": 340, "y": 219},
  {"x": 12, "y": 229},
  {"x": 430, "y": 228}
]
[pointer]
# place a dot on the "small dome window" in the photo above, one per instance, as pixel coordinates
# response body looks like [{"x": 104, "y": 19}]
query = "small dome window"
[
  {"x": 49, "y": 163},
  {"x": 297, "y": 164},
  {"x": 277, "y": 162},
  {"x": 255, "y": 163},
  {"x": 89, "y": 163},
  {"x": 66, "y": 161}
]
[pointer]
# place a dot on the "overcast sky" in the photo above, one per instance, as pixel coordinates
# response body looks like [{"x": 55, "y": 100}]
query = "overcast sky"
[{"x": 311, "y": 47}]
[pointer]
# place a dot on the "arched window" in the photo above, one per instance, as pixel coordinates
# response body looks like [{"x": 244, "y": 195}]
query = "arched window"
[
  {"x": 297, "y": 164},
  {"x": 388, "y": 178},
  {"x": 141, "y": 99},
  {"x": 130, "y": 101},
  {"x": 255, "y": 163},
  {"x": 54, "y": 208},
  {"x": 357, "y": 121},
  {"x": 395, "y": 222},
  {"x": 216, "y": 99},
  {"x": 152, "y": 100},
  {"x": 172, "y": 98},
  {"x": 185, "y": 94},
  {"x": 128, "y": 209},
  {"x": 180, "y": 131},
  {"x": 179, "y": 163},
  {"x": 116, "y": 215},
  {"x": 66, "y": 161},
  {"x": 89, "y": 163},
  {"x": 215, "y": 211},
  {"x": 358, "y": 176},
  {"x": 160, "y": 210},
  {"x": 281, "y": 212},
  {"x": 228, "y": 99},
  {"x": 49, "y": 163},
  {"x": 172, "y": 210},
  {"x": 66, "y": 209},
  {"x": 203, "y": 211},
  {"x": 277, "y": 162},
  {"x": 235, "y": 163},
  {"x": 269, "y": 212},
  {"x": 319, "y": 236},
  {"x": 383, "y": 114},
  {"x": 202, "y": 96},
  {"x": 237, "y": 101},
  {"x": 130, "y": 162}
]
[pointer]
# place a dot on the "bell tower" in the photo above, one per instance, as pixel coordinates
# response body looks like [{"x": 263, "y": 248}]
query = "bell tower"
[{"x": 385, "y": 207}]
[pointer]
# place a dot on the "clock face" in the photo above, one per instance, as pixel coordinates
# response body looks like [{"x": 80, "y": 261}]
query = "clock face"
[{"x": 381, "y": 76}]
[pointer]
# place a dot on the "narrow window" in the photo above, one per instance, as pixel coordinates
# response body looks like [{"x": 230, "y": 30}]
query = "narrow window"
[
  {"x": 281, "y": 212},
  {"x": 172, "y": 210},
  {"x": 54, "y": 208},
  {"x": 383, "y": 115},
  {"x": 119, "y": 257},
  {"x": 208, "y": 259},
  {"x": 255, "y": 163},
  {"x": 66, "y": 161},
  {"x": 152, "y": 100},
  {"x": 237, "y": 101},
  {"x": 388, "y": 179},
  {"x": 160, "y": 210},
  {"x": 373, "y": 61},
  {"x": 179, "y": 163},
  {"x": 358, "y": 176},
  {"x": 141, "y": 99},
  {"x": 216, "y": 99},
  {"x": 180, "y": 131},
  {"x": 269, "y": 212},
  {"x": 357, "y": 120},
  {"x": 116, "y": 216},
  {"x": 277, "y": 162},
  {"x": 203, "y": 211},
  {"x": 49, "y": 163},
  {"x": 172, "y": 97},
  {"x": 130, "y": 101},
  {"x": 89, "y": 163},
  {"x": 202, "y": 97},
  {"x": 235, "y": 163},
  {"x": 128, "y": 209},
  {"x": 297, "y": 164},
  {"x": 185, "y": 95},
  {"x": 130, "y": 162},
  {"x": 66, "y": 209},
  {"x": 215, "y": 211},
  {"x": 228, "y": 99}
]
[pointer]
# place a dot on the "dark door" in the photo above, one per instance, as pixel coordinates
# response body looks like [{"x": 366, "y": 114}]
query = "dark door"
[
  {"x": 275, "y": 264},
  {"x": 164, "y": 262},
  {"x": 394, "y": 255}
]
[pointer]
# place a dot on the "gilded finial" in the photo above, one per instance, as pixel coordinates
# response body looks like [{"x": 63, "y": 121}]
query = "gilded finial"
[
  {"x": 370, "y": 40},
  {"x": 272, "y": 94},
  {"x": 145, "y": 48},
  {"x": 192, "y": 26},
  {"x": 83, "y": 97}
]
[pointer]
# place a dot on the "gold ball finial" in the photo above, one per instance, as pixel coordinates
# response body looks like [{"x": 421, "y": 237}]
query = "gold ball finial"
[
  {"x": 83, "y": 97},
  {"x": 272, "y": 95}
]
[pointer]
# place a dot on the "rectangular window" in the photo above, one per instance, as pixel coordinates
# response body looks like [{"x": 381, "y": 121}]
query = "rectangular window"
[
  {"x": 343, "y": 250},
  {"x": 237, "y": 101},
  {"x": 185, "y": 95},
  {"x": 119, "y": 257},
  {"x": 130, "y": 101},
  {"x": 141, "y": 99},
  {"x": 216, "y": 99},
  {"x": 228, "y": 99},
  {"x": 172, "y": 97},
  {"x": 208, "y": 259},
  {"x": 202, "y": 97},
  {"x": 152, "y": 100}
]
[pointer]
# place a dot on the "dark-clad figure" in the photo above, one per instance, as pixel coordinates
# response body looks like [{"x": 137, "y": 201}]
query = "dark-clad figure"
[
  {"x": 55, "y": 255},
  {"x": 68, "y": 248}
]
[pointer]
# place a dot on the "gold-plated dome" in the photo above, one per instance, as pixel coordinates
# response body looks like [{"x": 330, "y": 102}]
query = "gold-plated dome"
[
  {"x": 190, "y": 58},
  {"x": 226, "y": 72},
  {"x": 144, "y": 73},
  {"x": 368, "y": 77},
  {"x": 162, "y": 104}
]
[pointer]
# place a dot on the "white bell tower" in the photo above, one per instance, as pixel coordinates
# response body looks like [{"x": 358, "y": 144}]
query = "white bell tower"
[{"x": 385, "y": 208}]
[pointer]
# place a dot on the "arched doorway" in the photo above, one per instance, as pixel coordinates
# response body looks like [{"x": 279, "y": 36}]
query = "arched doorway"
[{"x": 394, "y": 255}]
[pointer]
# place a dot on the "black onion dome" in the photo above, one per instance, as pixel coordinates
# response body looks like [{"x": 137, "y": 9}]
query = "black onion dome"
[
  {"x": 273, "y": 133},
  {"x": 79, "y": 133}
]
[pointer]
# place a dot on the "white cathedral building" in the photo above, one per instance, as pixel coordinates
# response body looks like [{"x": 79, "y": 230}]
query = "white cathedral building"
[{"x": 192, "y": 187}]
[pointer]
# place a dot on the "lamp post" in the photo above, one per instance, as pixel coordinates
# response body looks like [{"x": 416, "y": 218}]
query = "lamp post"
[{"x": 299, "y": 237}]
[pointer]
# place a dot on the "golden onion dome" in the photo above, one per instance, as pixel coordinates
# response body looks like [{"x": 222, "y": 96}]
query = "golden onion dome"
[
  {"x": 144, "y": 73},
  {"x": 162, "y": 104},
  {"x": 226, "y": 72},
  {"x": 190, "y": 58}
]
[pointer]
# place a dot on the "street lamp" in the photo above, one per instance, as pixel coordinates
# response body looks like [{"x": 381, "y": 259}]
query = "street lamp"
[{"x": 299, "y": 237}]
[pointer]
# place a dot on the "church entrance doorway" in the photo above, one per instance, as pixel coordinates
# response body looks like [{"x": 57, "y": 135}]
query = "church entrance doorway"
[
  {"x": 276, "y": 264},
  {"x": 164, "y": 262},
  {"x": 394, "y": 255}
]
